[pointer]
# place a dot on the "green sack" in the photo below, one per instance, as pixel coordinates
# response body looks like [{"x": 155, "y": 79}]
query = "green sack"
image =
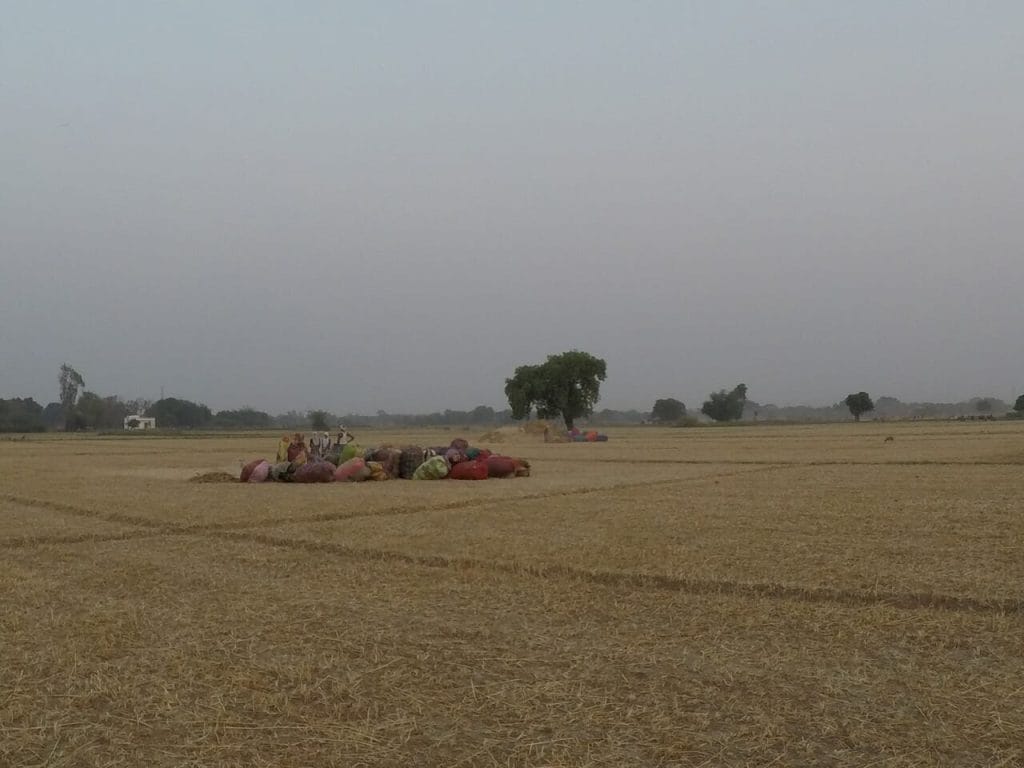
[
  {"x": 349, "y": 451},
  {"x": 281, "y": 472},
  {"x": 433, "y": 468}
]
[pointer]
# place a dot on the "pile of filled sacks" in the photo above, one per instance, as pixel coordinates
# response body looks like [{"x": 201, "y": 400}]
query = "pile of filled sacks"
[
  {"x": 591, "y": 436},
  {"x": 320, "y": 461}
]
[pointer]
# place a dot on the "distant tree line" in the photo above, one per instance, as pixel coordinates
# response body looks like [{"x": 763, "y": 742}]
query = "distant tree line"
[{"x": 564, "y": 387}]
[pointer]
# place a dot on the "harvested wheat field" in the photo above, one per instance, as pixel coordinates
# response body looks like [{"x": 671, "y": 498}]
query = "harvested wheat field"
[{"x": 805, "y": 595}]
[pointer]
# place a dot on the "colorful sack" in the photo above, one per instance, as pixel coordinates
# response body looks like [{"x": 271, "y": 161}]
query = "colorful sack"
[
  {"x": 388, "y": 458},
  {"x": 260, "y": 472},
  {"x": 350, "y": 451},
  {"x": 433, "y": 468},
  {"x": 469, "y": 470},
  {"x": 500, "y": 466},
  {"x": 248, "y": 468},
  {"x": 352, "y": 471},
  {"x": 454, "y": 456},
  {"x": 412, "y": 457},
  {"x": 315, "y": 471},
  {"x": 460, "y": 444},
  {"x": 281, "y": 472},
  {"x": 377, "y": 471}
]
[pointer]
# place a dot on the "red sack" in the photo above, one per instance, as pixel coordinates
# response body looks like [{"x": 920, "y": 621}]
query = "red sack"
[
  {"x": 500, "y": 466},
  {"x": 469, "y": 470}
]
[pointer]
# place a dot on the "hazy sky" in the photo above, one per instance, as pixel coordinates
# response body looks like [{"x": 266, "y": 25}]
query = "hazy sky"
[{"x": 391, "y": 205}]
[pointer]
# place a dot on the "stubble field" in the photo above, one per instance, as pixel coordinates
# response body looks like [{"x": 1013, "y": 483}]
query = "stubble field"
[{"x": 744, "y": 596}]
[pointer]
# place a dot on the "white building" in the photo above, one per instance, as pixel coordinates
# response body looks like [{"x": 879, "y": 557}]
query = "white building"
[{"x": 132, "y": 423}]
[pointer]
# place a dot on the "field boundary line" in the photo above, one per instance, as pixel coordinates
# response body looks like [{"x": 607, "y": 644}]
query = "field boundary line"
[
  {"x": 107, "y": 517},
  {"x": 794, "y": 463},
  {"x": 658, "y": 582},
  {"x": 24, "y": 542},
  {"x": 328, "y": 517},
  {"x": 167, "y": 526}
]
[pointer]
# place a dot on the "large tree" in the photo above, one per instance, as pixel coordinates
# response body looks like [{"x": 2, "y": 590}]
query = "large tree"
[
  {"x": 566, "y": 385},
  {"x": 726, "y": 406},
  {"x": 70, "y": 382},
  {"x": 859, "y": 403},
  {"x": 97, "y": 412},
  {"x": 1019, "y": 405},
  {"x": 170, "y": 412},
  {"x": 668, "y": 411}
]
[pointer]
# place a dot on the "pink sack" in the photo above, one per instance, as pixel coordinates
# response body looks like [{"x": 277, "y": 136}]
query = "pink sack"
[
  {"x": 248, "y": 468},
  {"x": 352, "y": 471},
  {"x": 260, "y": 472}
]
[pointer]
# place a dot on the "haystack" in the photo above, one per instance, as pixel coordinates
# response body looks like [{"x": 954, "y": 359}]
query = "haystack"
[{"x": 501, "y": 435}]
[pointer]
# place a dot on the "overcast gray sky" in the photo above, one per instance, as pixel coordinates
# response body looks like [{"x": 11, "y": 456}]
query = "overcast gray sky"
[{"x": 391, "y": 205}]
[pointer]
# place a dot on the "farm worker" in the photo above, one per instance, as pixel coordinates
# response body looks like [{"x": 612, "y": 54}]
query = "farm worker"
[
  {"x": 319, "y": 444},
  {"x": 297, "y": 447},
  {"x": 282, "y": 449}
]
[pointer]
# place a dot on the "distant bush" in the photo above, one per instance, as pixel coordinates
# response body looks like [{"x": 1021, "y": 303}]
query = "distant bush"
[{"x": 21, "y": 415}]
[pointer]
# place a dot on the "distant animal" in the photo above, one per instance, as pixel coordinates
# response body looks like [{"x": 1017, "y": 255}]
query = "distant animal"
[{"x": 889, "y": 439}]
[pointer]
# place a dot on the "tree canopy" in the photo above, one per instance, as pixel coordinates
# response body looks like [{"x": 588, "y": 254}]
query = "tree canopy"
[
  {"x": 70, "y": 382},
  {"x": 243, "y": 418},
  {"x": 21, "y": 415},
  {"x": 566, "y": 385},
  {"x": 171, "y": 413},
  {"x": 726, "y": 406},
  {"x": 668, "y": 411},
  {"x": 859, "y": 403},
  {"x": 1019, "y": 405},
  {"x": 95, "y": 412}
]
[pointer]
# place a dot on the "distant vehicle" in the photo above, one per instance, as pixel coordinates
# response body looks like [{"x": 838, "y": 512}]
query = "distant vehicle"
[{"x": 135, "y": 423}]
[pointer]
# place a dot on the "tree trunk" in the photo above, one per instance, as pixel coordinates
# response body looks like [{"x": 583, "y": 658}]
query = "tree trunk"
[
  {"x": 568, "y": 421},
  {"x": 856, "y": 417}
]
